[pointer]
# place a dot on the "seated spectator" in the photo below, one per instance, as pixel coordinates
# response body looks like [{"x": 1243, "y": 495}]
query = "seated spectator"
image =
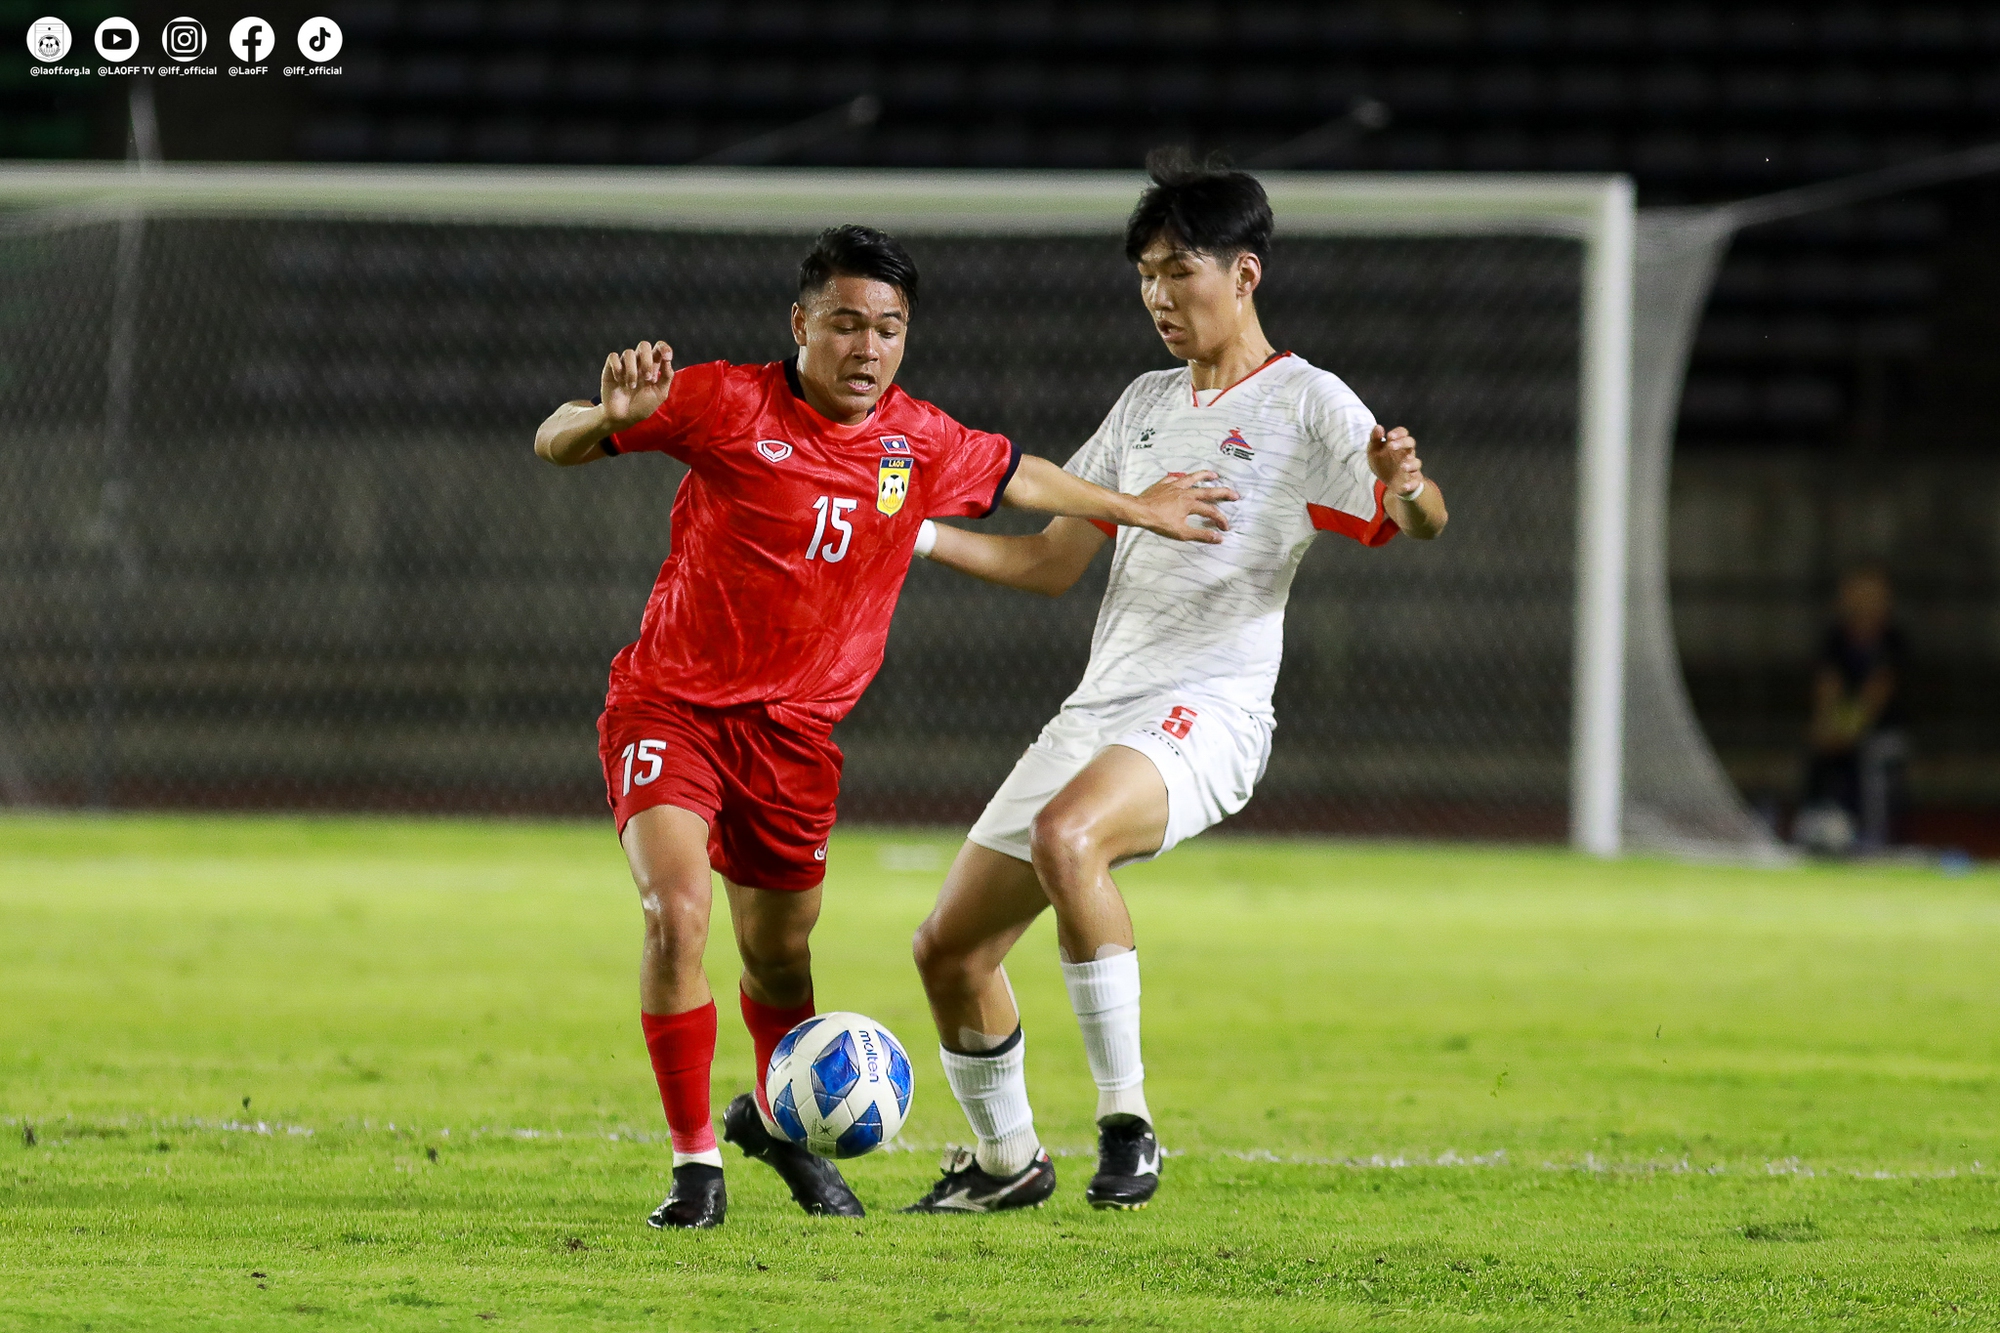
[{"x": 1855, "y": 775}]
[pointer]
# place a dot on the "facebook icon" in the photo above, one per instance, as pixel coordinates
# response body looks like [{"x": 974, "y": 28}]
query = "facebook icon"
[{"x": 251, "y": 40}]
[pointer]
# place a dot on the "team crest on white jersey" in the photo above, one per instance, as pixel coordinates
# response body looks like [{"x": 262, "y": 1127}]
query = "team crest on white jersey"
[
  {"x": 774, "y": 451},
  {"x": 1236, "y": 446},
  {"x": 892, "y": 484}
]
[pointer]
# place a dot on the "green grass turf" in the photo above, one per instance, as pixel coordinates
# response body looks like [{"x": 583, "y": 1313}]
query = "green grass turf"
[{"x": 346, "y": 1074}]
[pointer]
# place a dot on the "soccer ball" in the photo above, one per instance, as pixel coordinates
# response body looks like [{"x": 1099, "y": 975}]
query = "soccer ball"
[{"x": 839, "y": 1084}]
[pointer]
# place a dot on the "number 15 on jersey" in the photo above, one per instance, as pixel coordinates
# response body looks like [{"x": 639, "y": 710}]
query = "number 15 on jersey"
[{"x": 833, "y": 513}]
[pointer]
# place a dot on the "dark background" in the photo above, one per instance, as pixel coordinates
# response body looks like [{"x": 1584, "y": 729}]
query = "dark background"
[{"x": 1839, "y": 407}]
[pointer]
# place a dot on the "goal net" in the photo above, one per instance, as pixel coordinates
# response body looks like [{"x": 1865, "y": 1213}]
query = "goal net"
[{"x": 274, "y": 535}]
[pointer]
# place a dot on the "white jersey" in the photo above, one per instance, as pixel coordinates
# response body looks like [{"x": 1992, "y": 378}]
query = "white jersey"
[{"x": 1292, "y": 440}]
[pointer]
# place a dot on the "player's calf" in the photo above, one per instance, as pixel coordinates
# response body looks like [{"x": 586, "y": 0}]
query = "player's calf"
[
  {"x": 991, "y": 1086},
  {"x": 1105, "y": 995},
  {"x": 774, "y": 939}
]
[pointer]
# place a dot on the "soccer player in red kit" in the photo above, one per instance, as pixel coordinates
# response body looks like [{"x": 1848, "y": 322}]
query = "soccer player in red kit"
[{"x": 808, "y": 481}]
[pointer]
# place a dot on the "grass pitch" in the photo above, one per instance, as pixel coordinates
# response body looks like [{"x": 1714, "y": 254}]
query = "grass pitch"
[{"x": 341, "y": 1074}]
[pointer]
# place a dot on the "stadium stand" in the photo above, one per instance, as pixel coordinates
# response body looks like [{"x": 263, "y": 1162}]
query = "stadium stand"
[{"x": 1832, "y": 345}]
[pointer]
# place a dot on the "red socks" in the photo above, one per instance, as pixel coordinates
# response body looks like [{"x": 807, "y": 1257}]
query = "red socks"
[
  {"x": 683, "y": 1051},
  {"x": 768, "y": 1027}
]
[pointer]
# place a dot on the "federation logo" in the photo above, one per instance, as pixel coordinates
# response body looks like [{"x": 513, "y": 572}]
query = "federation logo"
[
  {"x": 895, "y": 444},
  {"x": 774, "y": 451},
  {"x": 48, "y": 40},
  {"x": 1236, "y": 446},
  {"x": 892, "y": 484}
]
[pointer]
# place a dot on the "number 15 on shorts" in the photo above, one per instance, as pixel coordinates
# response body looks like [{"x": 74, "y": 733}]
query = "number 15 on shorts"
[{"x": 647, "y": 755}]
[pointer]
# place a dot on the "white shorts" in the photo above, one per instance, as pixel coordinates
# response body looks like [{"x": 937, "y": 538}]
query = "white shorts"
[{"x": 1209, "y": 753}]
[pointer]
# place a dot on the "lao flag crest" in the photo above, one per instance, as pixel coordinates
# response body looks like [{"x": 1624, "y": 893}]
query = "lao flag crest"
[{"x": 892, "y": 483}]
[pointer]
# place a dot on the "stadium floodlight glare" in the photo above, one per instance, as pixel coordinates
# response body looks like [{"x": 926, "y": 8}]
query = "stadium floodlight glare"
[{"x": 1353, "y": 230}]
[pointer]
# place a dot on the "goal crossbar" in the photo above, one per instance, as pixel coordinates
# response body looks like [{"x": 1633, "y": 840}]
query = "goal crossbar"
[{"x": 752, "y": 199}]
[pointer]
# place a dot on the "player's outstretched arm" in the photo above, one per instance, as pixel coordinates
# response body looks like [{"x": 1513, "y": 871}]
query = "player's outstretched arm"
[
  {"x": 1048, "y": 562},
  {"x": 1165, "y": 508},
  {"x": 1412, "y": 499},
  {"x": 631, "y": 388}
]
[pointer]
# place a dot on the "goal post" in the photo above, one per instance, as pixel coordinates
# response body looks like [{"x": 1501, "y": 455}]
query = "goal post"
[
  {"x": 1604, "y": 497},
  {"x": 1444, "y": 265}
]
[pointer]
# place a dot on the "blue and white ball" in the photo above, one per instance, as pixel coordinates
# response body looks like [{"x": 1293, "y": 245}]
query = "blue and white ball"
[{"x": 840, "y": 1084}]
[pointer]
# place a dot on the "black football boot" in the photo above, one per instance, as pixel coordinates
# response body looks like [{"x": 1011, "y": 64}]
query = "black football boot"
[
  {"x": 969, "y": 1188},
  {"x": 696, "y": 1200},
  {"x": 1128, "y": 1165},
  {"x": 815, "y": 1182}
]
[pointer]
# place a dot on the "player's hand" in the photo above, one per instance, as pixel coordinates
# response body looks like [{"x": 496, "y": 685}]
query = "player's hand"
[
  {"x": 1169, "y": 504},
  {"x": 634, "y": 383},
  {"x": 1392, "y": 457}
]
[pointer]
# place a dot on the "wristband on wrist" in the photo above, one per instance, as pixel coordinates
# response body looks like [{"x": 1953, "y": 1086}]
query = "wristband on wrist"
[
  {"x": 1411, "y": 498},
  {"x": 926, "y": 539}
]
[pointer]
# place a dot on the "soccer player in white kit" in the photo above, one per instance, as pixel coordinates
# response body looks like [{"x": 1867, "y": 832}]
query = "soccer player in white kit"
[{"x": 1171, "y": 727}]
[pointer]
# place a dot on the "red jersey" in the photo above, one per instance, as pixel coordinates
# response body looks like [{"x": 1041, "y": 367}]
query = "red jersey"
[{"x": 792, "y": 535}]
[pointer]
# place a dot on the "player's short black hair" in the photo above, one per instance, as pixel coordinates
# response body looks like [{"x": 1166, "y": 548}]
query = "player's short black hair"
[
  {"x": 853, "y": 251},
  {"x": 1201, "y": 206}
]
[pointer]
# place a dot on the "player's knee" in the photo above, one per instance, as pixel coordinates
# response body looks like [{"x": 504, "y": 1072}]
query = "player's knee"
[
  {"x": 1059, "y": 841},
  {"x": 674, "y": 911},
  {"x": 938, "y": 964},
  {"x": 776, "y": 957}
]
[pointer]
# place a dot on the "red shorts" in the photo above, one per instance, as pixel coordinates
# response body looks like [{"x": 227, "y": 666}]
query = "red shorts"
[{"x": 766, "y": 790}]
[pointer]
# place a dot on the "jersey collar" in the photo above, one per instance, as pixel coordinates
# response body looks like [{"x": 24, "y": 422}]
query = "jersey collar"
[{"x": 1268, "y": 362}]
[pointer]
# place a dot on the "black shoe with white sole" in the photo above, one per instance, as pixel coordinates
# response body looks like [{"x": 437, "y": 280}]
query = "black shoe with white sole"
[
  {"x": 966, "y": 1188},
  {"x": 697, "y": 1199},
  {"x": 816, "y": 1183},
  {"x": 1128, "y": 1165}
]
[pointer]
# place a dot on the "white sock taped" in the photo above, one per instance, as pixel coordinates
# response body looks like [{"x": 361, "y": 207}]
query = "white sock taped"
[
  {"x": 712, "y": 1157},
  {"x": 1105, "y": 995},
  {"x": 992, "y": 1088}
]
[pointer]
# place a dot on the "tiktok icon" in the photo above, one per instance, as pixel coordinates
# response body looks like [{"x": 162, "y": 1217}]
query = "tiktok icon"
[{"x": 319, "y": 40}]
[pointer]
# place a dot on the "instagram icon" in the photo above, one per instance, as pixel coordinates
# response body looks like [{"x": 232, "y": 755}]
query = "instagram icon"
[{"x": 184, "y": 39}]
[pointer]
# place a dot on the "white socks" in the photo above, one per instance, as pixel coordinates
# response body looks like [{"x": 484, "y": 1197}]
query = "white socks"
[
  {"x": 712, "y": 1157},
  {"x": 1105, "y": 995},
  {"x": 992, "y": 1086}
]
